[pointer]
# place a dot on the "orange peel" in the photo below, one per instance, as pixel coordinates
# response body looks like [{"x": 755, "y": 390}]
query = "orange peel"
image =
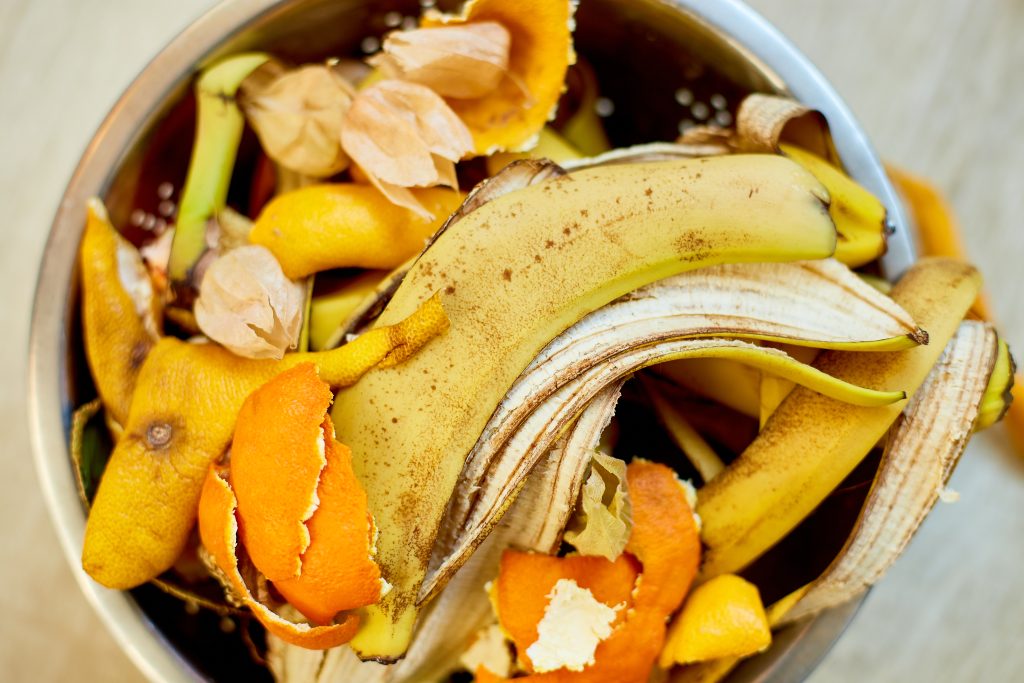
[
  {"x": 218, "y": 528},
  {"x": 665, "y": 541},
  {"x": 526, "y": 579},
  {"x": 347, "y": 225},
  {"x": 511, "y": 116},
  {"x": 182, "y": 418},
  {"x": 119, "y": 326},
  {"x": 723, "y": 617},
  {"x": 302, "y": 514}
]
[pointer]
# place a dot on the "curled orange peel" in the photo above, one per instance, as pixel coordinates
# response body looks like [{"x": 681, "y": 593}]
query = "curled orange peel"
[
  {"x": 303, "y": 516},
  {"x": 218, "y": 529},
  {"x": 665, "y": 541},
  {"x": 511, "y": 116}
]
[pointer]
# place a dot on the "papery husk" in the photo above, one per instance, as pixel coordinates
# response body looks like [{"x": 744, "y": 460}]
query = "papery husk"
[
  {"x": 449, "y": 624},
  {"x": 298, "y": 117},
  {"x": 604, "y": 516},
  {"x": 511, "y": 116},
  {"x": 923, "y": 448},
  {"x": 461, "y": 62},
  {"x": 248, "y": 305},
  {"x": 404, "y": 135}
]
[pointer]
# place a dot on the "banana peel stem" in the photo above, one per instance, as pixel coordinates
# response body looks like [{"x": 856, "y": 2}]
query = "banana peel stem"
[{"x": 219, "y": 124}]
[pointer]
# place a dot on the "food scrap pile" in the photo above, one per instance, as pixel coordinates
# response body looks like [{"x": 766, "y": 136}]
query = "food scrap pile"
[{"x": 461, "y": 391}]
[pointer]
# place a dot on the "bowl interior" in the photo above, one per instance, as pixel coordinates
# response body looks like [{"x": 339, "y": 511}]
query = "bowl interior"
[{"x": 654, "y": 61}]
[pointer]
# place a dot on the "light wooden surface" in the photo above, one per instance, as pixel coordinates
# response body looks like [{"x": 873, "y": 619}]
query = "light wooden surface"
[{"x": 939, "y": 86}]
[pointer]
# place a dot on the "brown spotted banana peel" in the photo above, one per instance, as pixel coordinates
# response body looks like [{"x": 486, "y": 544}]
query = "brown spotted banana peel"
[
  {"x": 812, "y": 442},
  {"x": 819, "y": 302},
  {"x": 923, "y": 447},
  {"x": 512, "y": 460},
  {"x": 515, "y": 273},
  {"x": 449, "y": 623}
]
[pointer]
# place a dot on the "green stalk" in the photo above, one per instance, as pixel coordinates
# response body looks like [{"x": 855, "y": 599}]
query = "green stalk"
[{"x": 219, "y": 124}]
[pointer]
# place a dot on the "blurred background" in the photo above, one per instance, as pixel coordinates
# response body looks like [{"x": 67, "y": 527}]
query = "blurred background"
[{"x": 935, "y": 83}]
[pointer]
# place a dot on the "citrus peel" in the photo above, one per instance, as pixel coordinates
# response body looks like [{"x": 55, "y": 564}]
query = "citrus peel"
[
  {"x": 721, "y": 618},
  {"x": 510, "y": 116},
  {"x": 120, "y": 314},
  {"x": 346, "y": 225},
  {"x": 302, "y": 515},
  {"x": 666, "y": 543},
  {"x": 181, "y": 420},
  {"x": 218, "y": 527},
  {"x": 526, "y": 579},
  {"x": 277, "y": 455}
]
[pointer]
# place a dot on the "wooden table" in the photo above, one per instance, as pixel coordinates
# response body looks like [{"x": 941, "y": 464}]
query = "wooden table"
[{"x": 938, "y": 85}]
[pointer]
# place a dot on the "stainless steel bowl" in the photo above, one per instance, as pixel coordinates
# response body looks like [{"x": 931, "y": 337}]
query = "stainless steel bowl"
[{"x": 743, "y": 52}]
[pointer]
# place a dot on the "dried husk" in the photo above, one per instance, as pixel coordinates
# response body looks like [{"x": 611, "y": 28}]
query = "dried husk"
[
  {"x": 404, "y": 135},
  {"x": 248, "y": 305},
  {"x": 460, "y": 62},
  {"x": 923, "y": 448},
  {"x": 298, "y": 118},
  {"x": 604, "y": 515},
  {"x": 541, "y": 50}
]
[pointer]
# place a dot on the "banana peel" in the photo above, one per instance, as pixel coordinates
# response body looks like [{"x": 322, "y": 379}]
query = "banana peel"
[
  {"x": 219, "y": 124},
  {"x": 749, "y": 507},
  {"x": 920, "y": 455},
  {"x": 499, "y": 468},
  {"x": 769, "y": 124},
  {"x": 938, "y": 235},
  {"x": 735, "y": 300},
  {"x": 515, "y": 273}
]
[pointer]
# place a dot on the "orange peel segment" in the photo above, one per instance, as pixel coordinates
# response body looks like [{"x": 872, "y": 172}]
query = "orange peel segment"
[
  {"x": 218, "y": 529},
  {"x": 303, "y": 516},
  {"x": 345, "y": 225},
  {"x": 119, "y": 330},
  {"x": 526, "y": 579},
  {"x": 665, "y": 537},
  {"x": 277, "y": 455},
  {"x": 937, "y": 231},
  {"x": 665, "y": 541},
  {"x": 511, "y": 116}
]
